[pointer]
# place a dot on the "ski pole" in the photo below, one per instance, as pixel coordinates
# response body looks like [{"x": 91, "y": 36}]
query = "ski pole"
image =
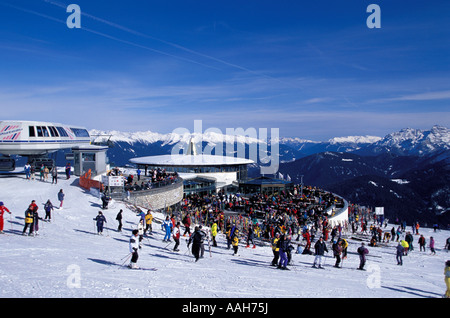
[
  {"x": 126, "y": 256},
  {"x": 129, "y": 256}
]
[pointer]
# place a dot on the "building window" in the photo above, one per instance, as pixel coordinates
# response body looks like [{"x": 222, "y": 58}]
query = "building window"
[{"x": 31, "y": 131}]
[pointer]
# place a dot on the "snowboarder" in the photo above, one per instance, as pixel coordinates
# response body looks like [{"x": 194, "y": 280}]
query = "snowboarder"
[
  {"x": 100, "y": 220},
  {"x": 119, "y": 219},
  {"x": 134, "y": 247},
  {"x": 362, "y": 252},
  {"x": 48, "y": 207},
  {"x": 61, "y": 196},
  {"x": 3, "y": 209},
  {"x": 195, "y": 239},
  {"x": 319, "y": 249},
  {"x": 176, "y": 237}
]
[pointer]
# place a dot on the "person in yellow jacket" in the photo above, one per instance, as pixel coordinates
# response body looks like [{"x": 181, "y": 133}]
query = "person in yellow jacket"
[
  {"x": 148, "y": 222},
  {"x": 344, "y": 247},
  {"x": 405, "y": 246},
  {"x": 275, "y": 249},
  {"x": 447, "y": 278},
  {"x": 235, "y": 241},
  {"x": 214, "y": 233}
]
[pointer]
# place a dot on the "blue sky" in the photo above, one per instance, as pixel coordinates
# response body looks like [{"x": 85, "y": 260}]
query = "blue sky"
[{"x": 313, "y": 69}]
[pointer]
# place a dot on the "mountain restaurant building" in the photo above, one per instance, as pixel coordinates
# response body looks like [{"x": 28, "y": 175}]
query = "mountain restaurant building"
[{"x": 202, "y": 174}]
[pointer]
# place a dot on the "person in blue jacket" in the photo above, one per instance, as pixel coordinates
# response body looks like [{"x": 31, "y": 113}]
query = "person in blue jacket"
[
  {"x": 100, "y": 220},
  {"x": 167, "y": 226}
]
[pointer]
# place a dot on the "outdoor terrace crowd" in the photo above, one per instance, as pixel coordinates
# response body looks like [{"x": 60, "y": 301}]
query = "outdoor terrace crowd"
[{"x": 267, "y": 214}]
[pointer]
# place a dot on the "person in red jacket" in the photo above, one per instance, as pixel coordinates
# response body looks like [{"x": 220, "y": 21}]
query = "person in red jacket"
[
  {"x": 3, "y": 209},
  {"x": 307, "y": 237}
]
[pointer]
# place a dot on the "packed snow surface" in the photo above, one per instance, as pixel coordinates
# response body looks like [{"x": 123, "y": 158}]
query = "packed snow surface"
[{"x": 68, "y": 259}]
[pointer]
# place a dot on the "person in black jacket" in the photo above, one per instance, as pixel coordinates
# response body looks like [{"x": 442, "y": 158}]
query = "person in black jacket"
[
  {"x": 320, "y": 248},
  {"x": 100, "y": 220},
  {"x": 119, "y": 219},
  {"x": 283, "y": 245},
  {"x": 196, "y": 240},
  {"x": 362, "y": 252}
]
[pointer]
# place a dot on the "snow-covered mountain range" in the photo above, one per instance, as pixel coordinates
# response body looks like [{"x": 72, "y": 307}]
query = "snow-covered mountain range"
[{"x": 407, "y": 141}]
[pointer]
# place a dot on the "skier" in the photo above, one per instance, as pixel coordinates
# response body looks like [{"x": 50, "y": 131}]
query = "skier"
[
  {"x": 422, "y": 243},
  {"x": 105, "y": 201},
  {"x": 307, "y": 237},
  {"x": 134, "y": 247},
  {"x": 275, "y": 249},
  {"x": 36, "y": 219},
  {"x": 250, "y": 237},
  {"x": 176, "y": 237},
  {"x": 214, "y": 233},
  {"x": 54, "y": 175},
  {"x": 202, "y": 245},
  {"x": 167, "y": 226},
  {"x": 100, "y": 218},
  {"x": 344, "y": 247},
  {"x": 409, "y": 238},
  {"x": 141, "y": 231},
  {"x": 27, "y": 170},
  {"x": 67, "y": 171},
  {"x": 195, "y": 239},
  {"x": 3, "y": 209},
  {"x": 319, "y": 249},
  {"x": 29, "y": 218},
  {"x": 148, "y": 222},
  {"x": 362, "y": 252},
  {"x": 283, "y": 244},
  {"x": 61, "y": 196},
  {"x": 235, "y": 241},
  {"x": 187, "y": 224},
  {"x": 337, "y": 250},
  {"x": 400, "y": 251},
  {"x": 119, "y": 219},
  {"x": 433, "y": 252},
  {"x": 48, "y": 207},
  {"x": 447, "y": 278}
]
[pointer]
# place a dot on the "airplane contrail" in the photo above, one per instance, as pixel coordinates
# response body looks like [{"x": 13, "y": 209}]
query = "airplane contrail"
[
  {"x": 109, "y": 36},
  {"x": 175, "y": 45}
]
